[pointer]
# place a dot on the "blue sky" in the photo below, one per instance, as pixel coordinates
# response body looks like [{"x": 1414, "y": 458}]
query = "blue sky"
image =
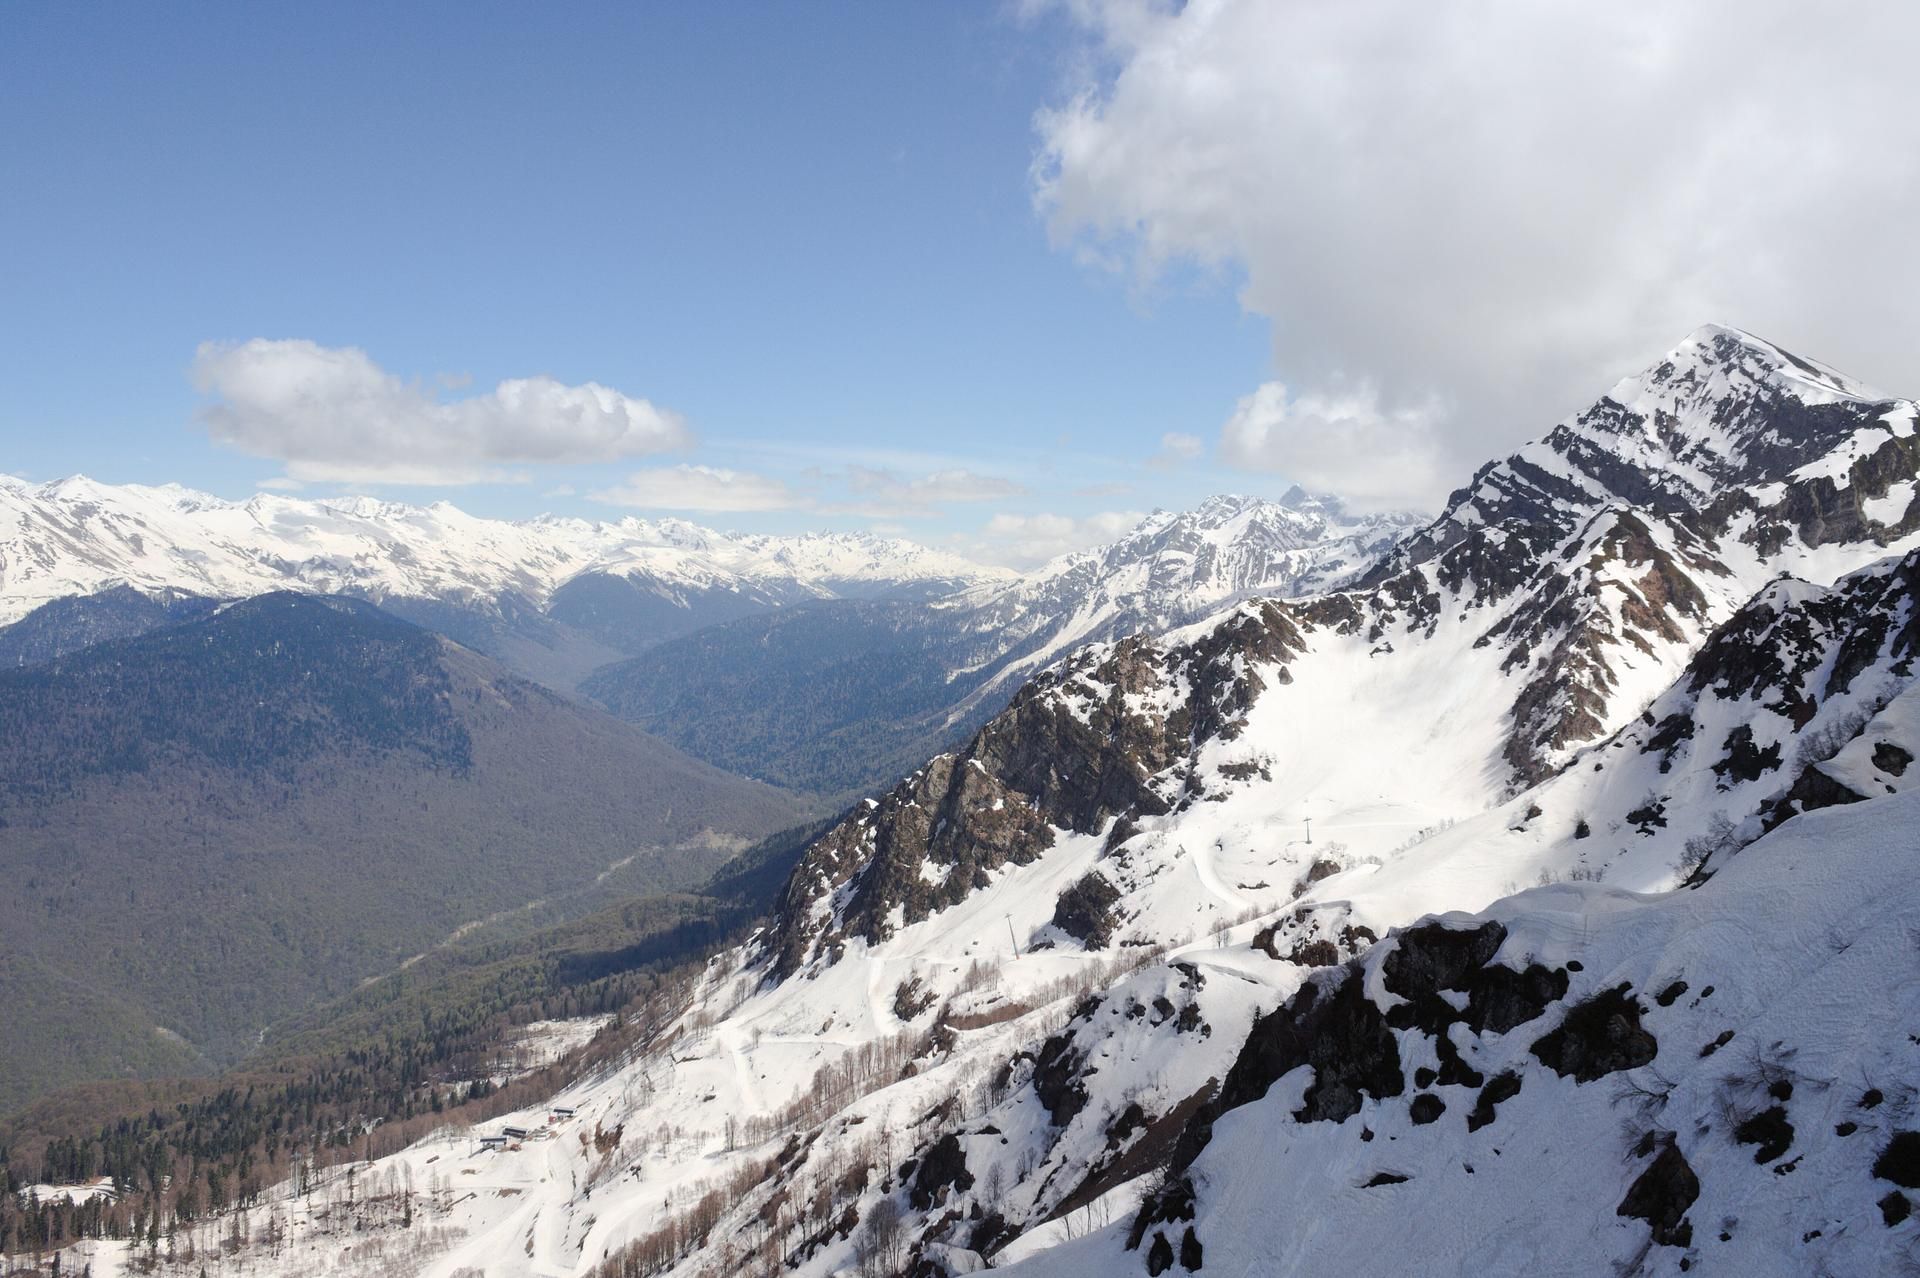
[
  {"x": 808, "y": 230},
  {"x": 995, "y": 275}
]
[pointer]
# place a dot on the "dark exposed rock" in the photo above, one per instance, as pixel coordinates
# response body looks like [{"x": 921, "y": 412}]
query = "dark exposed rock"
[
  {"x": 1744, "y": 761},
  {"x": 1191, "y": 1253},
  {"x": 1316, "y": 953},
  {"x": 1337, "y": 1030},
  {"x": 1426, "y": 1108},
  {"x": 1384, "y": 1178},
  {"x": 1600, "y": 1036},
  {"x": 1891, "y": 759},
  {"x": 1130, "y": 1120},
  {"x": 1668, "y": 996},
  {"x": 1899, "y": 1162},
  {"x": 1770, "y": 1130},
  {"x": 1174, "y": 1202},
  {"x": 1662, "y": 1195},
  {"x": 1895, "y": 1208},
  {"x": 1648, "y": 816},
  {"x": 943, "y": 1168},
  {"x": 1667, "y": 738},
  {"x": 1720, "y": 1041},
  {"x": 989, "y": 1231},
  {"x": 1086, "y": 911},
  {"x": 1811, "y": 791},
  {"x": 1501, "y": 1087},
  {"x": 1056, "y": 1079},
  {"x": 1426, "y": 960},
  {"x": 1061, "y": 756}
]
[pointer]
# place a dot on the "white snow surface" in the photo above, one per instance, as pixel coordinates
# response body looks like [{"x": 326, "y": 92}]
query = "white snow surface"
[{"x": 1805, "y": 940}]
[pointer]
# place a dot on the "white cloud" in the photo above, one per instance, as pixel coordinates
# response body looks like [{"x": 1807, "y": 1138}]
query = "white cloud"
[
  {"x": 1023, "y": 541},
  {"x": 1176, "y": 449},
  {"x": 332, "y": 414},
  {"x": 709, "y": 488},
  {"x": 1486, "y": 211},
  {"x": 280, "y": 484},
  {"x": 1342, "y": 443}
]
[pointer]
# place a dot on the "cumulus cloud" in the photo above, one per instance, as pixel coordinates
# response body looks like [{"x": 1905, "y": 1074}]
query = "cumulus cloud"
[
  {"x": 708, "y": 488},
  {"x": 1484, "y": 212},
  {"x": 332, "y": 414},
  {"x": 1022, "y": 541}
]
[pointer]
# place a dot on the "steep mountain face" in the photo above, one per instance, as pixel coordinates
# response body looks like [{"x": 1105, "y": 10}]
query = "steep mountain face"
[
  {"x": 218, "y": 823},
  {"x": 1609, "y": 547},
  {"x": 1542, "y": 898},
  {"x": 843, "y": 697},
  {"x": 585, "y": 589}
]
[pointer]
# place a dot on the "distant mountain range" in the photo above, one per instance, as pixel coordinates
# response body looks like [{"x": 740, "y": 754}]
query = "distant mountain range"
[
  {"x": 552, "y": 597},
  {"x": 825, "y": 662},
  {"x": 844, "y": 696}
]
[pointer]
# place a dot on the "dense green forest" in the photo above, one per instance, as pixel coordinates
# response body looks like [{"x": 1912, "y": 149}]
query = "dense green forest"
[
  {"x": 832, "y": 698},
  {"x": 216, "y": 825},
  {"x": 417, "y": 1050}
]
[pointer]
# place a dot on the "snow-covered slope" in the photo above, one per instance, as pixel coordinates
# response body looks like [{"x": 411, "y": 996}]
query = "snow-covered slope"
[
  {"x": 1581, "y": 1080},
  {"x": 77, "y": 537},
  {"x": 1045, "y": 997}
]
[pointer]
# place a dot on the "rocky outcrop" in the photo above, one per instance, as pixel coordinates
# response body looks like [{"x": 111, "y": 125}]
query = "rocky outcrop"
[
  {"x": 1110, "y": 736},
  {"x": 1601, "y": 1035},
  {"x": 1662, "y": 1194}
]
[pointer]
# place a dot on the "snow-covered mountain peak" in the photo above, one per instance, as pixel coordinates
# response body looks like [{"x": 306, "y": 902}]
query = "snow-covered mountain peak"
[{"x": 1719, "y": 353}]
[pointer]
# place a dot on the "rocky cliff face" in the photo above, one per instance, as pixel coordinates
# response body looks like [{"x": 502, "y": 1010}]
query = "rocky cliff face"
[
  {"x": 1640, "y": 523},
  {"x": 1113, "y": 736}
]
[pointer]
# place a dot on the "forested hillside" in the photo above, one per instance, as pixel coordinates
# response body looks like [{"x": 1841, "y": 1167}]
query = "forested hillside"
[
  {"x": 212, "y": 826},
  {"x": 440, "y": 1042}
]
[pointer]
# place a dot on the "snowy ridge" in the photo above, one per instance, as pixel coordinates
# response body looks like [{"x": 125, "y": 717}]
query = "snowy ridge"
[
  {"x": 1175, "y": 568},
  {"x": 76, "y": 537}
]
